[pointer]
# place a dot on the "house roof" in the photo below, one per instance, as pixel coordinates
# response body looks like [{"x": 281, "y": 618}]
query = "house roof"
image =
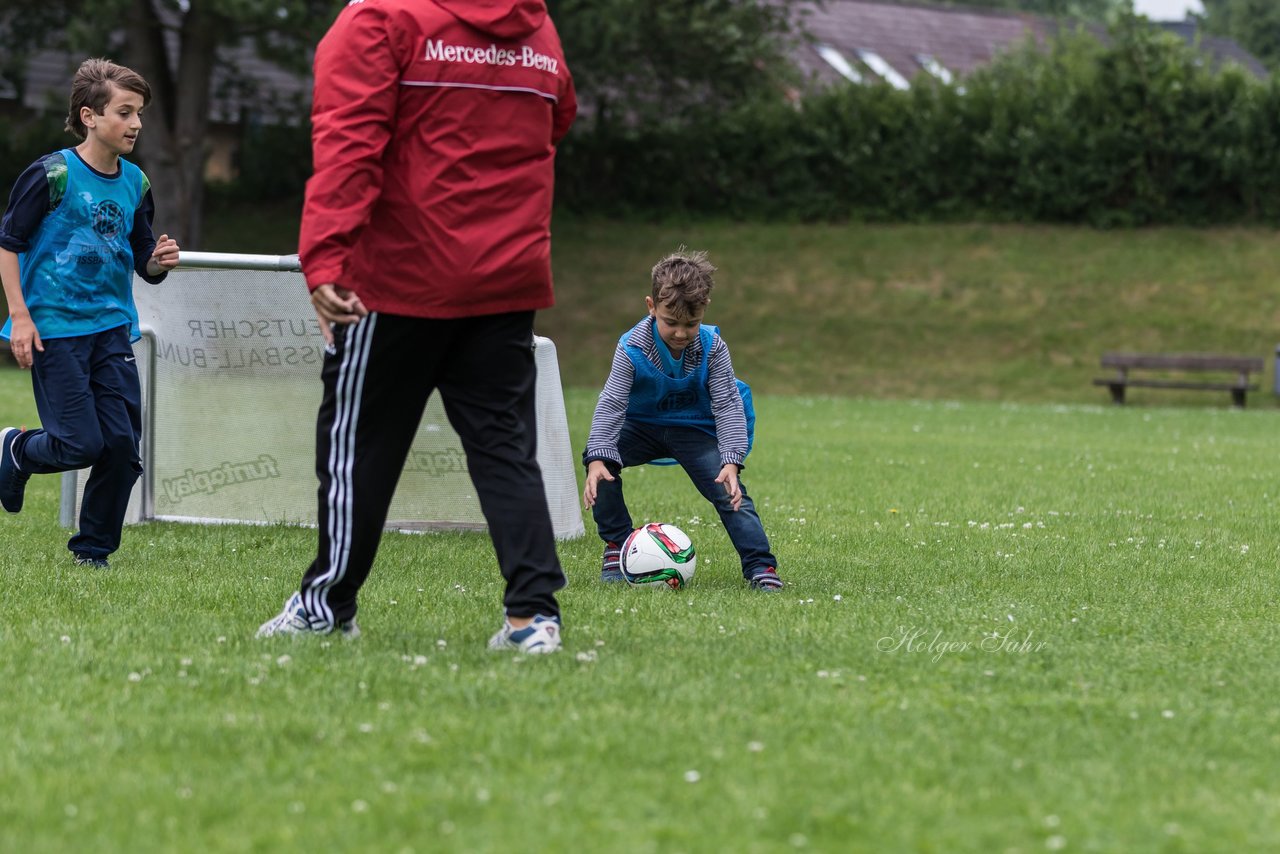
[
  {"x": 244, "y": 80},
  {"x": 960, "y": 39},
  {"x": 1222, "y": 50},
  {"x": 43, "y": 68}
]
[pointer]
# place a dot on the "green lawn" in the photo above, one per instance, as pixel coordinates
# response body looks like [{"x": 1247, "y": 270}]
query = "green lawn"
[
  {"x": 953, "y": 312},
  {"x": 1008, "y": 627},
  {"x": 968, "y": 312}
]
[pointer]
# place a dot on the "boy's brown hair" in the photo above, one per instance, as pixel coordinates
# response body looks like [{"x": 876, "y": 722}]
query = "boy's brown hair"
[
  {"x": 683, "y": 282},
  {"x": 92, "y": 88}
]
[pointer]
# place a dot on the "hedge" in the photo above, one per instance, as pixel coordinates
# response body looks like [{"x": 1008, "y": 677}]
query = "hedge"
[{"x": 1133, "y": 131}]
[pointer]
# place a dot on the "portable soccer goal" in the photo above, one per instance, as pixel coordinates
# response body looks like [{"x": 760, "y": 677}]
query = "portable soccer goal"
[{"x": 230, "y": 367}]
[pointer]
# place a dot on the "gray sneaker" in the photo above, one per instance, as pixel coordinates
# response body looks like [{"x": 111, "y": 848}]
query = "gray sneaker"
[
  {"x": 539, "y": 637},
  {"x": 294, "y": 620}
]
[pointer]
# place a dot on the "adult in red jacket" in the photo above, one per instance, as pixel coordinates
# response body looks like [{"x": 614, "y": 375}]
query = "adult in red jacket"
[{"x": 426, "y": 245}]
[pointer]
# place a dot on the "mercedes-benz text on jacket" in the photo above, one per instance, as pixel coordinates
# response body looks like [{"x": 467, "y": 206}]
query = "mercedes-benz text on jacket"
[{"x": 434, "y": 125}]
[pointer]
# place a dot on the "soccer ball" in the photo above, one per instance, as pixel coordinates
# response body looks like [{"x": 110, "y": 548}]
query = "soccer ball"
[{"x": 658, "y": 555}]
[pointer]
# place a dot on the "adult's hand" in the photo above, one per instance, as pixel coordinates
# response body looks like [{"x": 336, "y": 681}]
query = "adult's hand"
[{"x": 336, "y": 304}]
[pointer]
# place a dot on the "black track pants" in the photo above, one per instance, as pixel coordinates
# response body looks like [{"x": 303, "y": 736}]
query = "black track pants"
[{"x": 376, "y": 386}]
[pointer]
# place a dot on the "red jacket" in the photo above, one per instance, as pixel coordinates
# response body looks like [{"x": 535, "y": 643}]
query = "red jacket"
[{"x": 434, "y": 125}]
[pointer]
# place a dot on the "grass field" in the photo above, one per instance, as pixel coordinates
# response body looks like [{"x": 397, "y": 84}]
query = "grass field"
[
  {"x": 969, "y": 312},
  {"x": 928, "y": 312},
  {"x": 1016, "y": 620},
  {"x": 1008, "y": 627}
]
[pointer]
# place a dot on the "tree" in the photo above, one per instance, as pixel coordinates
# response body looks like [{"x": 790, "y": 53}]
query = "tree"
[
  {"x": 143, "y": 34},
  {"x": 633, "y": 60},
  {"x": 663, "y": 60},
  {"x": 1255, "y": 24}
]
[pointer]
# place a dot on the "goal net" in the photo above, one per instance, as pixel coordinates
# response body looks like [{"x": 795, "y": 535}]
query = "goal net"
[{"x": 230, "y": 365}]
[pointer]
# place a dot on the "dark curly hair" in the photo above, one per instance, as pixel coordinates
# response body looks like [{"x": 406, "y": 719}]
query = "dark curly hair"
[{"x": 683, "y": 280}]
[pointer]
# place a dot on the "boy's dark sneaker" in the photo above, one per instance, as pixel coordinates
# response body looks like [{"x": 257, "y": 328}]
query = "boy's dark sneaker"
[
  {"x": 611, "y": 563},
  {"x": 95, "y": 562},
  {"x": 13, "y": 480},
  {"x": 766, "y": 579}
]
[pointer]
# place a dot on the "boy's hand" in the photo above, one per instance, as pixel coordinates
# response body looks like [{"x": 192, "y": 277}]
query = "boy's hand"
[
  {"x": 164, "y": 257},
  {"x": 729, "y": 477},
  {"x": 596, "y": 471},
  {"x": 24, "y": 338}
]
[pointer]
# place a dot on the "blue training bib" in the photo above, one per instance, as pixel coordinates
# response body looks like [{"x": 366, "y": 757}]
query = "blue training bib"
[
  {"x": 684, "y": 401},
  {"x": 77, "y": 272}
]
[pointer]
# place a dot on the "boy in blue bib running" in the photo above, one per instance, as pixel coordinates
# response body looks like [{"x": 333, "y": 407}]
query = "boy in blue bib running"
[
  {"x": 672, "y": 395},
  {"x": 77, "y": 228}
]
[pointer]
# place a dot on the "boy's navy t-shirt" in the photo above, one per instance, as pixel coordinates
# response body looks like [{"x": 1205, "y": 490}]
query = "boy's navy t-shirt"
[{"x": 79, "y": 235}]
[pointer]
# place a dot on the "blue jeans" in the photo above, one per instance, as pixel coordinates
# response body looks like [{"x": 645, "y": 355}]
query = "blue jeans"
[
  {"x": 697, "y": 453},
  {"x": 90, "y": 406}
]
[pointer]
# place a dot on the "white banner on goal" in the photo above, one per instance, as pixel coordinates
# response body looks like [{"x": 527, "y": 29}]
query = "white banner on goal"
[{"x": 230, "y": 367}]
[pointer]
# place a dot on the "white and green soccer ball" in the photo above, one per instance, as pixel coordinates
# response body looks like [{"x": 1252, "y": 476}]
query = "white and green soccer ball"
[{"x": 658, "y": 555}]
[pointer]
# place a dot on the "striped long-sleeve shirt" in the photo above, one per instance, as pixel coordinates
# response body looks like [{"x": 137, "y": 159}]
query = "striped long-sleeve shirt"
[{"x": 726, "y": 402}]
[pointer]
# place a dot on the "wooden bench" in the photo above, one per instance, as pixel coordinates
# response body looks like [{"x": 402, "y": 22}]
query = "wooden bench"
[{"x": 1123, "y": 363}]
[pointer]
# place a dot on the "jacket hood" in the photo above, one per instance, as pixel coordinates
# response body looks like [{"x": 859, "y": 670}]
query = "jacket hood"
[{"x": 503, "y": 19}]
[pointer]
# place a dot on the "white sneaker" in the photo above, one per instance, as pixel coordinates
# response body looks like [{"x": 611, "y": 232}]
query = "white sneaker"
[
  {"x": 294, "y": 620},
  {"x": 539, "y": 637}
]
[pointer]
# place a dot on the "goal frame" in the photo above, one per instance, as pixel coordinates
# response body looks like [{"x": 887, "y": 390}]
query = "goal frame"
[{"x": 142, "y": 503}]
